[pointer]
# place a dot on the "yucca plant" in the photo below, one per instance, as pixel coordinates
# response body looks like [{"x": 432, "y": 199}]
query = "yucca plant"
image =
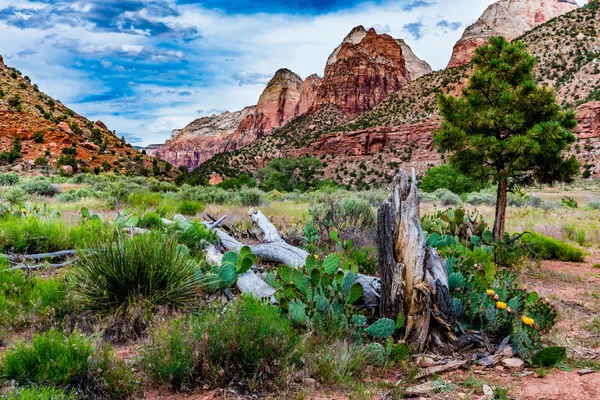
[{"x": 144, "y": 271}]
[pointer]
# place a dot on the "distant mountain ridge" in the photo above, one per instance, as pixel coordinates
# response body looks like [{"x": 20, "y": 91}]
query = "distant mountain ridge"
[
  {"x": 363, "y": 70},
  {"x": 367, "y": 149}
]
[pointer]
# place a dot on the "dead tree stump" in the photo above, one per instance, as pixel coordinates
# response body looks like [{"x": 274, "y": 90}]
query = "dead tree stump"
[{"x": 414, "y": 279}]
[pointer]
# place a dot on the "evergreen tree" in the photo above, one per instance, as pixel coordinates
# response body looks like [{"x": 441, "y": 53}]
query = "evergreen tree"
[{"x": 504, "y": 128}]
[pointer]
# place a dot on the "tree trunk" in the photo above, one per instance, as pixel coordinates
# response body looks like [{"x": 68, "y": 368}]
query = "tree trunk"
[
  {"x": 501, "y": 202},
  {"x": 414, "y": 279}
]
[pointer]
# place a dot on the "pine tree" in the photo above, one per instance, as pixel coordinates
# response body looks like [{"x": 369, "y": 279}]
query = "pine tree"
[{"x": 504, "y": 128}]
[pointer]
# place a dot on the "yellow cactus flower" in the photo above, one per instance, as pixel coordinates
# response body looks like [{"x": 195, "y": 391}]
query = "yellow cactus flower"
[
  {"x": 316, "y": 257},
  {"x": 24, "y": 211},
  {"x": 501, "y": 305},
  {"x": 490, "y": 292},
  {"x": 528, "y": 321}
]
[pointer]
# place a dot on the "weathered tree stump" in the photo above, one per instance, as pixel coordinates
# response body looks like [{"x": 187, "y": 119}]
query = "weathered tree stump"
[{"x": 414, "y": 279}]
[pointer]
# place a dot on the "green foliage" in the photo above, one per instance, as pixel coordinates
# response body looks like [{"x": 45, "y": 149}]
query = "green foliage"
[
  {"x": 341, "y": 362},
  {"x": 250, "y": 340},
  {"x": 40, "y": 393},
  {"x": 27, "y": 299},
  {"x": 69, "y": 361},
  {"x": 447, "y": 177},
  {"x": 250, "y": 197},
  {"x": 9, "y": 179},
  {"x": 190, "y": 207},
  {"x": 40, "y": 186},
  {"x": 289, "y": 174},
  {"x": 322, "y": 297},
  {"x": 196, "y": 237},
  {"x": 548, "y": 248},
  {"x": 150, "y": 220},
  {"x": 495, "y": 136},
  {"x": 549, "y": 357},
  {"x": 148, "y": 271},
  {"x": 232, "y": 265}
]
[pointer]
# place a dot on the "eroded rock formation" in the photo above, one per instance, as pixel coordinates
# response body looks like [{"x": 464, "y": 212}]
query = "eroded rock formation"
[
  {"x": 508, "y": 18},
  {"x": 362, "y": 71}
]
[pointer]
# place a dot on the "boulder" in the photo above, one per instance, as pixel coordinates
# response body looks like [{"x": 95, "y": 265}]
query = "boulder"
[{"x": 514, "y": 364}]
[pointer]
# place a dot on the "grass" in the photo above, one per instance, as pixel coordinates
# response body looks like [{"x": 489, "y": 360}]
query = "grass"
[
  {"x": 73, "y": 361},
  {"x": 594, "y": 327},
  {"x": 548, "y": 248},
  {"x": 340, "y": 362},
  {"x": 26, "y": 299},
  {"x": 252, "y": 340},
  {"x": 41, "y": 393},
  {"x": 597, "y": 266},
  {"x": 145, "y": 271}
]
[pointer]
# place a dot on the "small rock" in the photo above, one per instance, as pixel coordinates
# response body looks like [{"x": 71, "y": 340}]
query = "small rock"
[
  {"x": 461, "y": 395},
  {"x": 488, "y": 392},
  {"x": 479, "y": 372},
  {"x": 513, "y": 363},
  {"x": 67, "y": 170},
  {"x": 525, "y": 373},
  {"x": 486, "y": 361},
  {"x": 309, "y": 382},
  {"x": 426, "y": 362},
  {"x": 585, "y": 371},
  {"x": 499, "y": 368}
]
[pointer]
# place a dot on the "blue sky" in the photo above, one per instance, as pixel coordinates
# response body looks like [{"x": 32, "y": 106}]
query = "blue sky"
[{"x": 146, "y": 67}]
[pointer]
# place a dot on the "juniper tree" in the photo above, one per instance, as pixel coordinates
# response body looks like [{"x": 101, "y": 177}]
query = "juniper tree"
[{"x": 506, "y": 129}]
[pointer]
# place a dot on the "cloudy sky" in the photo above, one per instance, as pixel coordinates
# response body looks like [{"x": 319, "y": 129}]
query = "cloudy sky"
[{"x": 146, "y": 67}]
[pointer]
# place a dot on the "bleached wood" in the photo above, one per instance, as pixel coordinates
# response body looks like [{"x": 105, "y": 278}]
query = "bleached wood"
[{"x": 413, "y": 277}]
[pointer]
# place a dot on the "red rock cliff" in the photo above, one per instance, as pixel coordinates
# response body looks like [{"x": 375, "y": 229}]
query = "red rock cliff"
[
  {"x": 364, "y": 70},
  {"x": 508, "y": 18}
]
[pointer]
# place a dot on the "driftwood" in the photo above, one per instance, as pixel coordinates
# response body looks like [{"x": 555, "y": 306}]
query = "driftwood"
[
  {"x": 41, "y": 256},
  {"x": 414, "y": 278},
  {"x": 41, "y": 266},
  {"x": 273, "y": 248}
]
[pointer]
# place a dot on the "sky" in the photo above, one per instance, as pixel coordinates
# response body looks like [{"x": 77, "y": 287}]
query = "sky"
[{"x": 146, "y": 67}]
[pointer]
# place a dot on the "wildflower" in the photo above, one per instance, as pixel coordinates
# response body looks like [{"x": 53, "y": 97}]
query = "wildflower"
[
  {"x": 509, "y": 310},
  {"x": 501, "y": 305},
  {"x": 528, "y": 321},
  {"x": 316, "y": 257},
  {"x": 24, "y": 211},
  {"x": 490, "y": 292},
  {"x": 496, "y": 297}
]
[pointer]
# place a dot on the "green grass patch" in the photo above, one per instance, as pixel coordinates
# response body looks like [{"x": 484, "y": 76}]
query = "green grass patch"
[
  {"x": 73, "y": 361},
  {"x": 190, "y": 207},
  {"x": 41, "y": 393},
  {"x": 548, "y": 248}
]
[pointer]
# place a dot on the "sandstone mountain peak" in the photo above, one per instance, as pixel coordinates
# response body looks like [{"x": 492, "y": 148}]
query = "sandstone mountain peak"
[
  {"x": 508, "y": 18},
  {"x": 362, "y": 71}
]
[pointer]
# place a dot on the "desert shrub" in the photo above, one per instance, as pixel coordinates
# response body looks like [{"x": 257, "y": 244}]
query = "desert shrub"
[
  {"x": 9, "y": 179},
  {"x": 150, "y": 220},
  {"x": 205, "y": 194},
  {"x": 534, "y": 201},
  {"x": 172, "y": 353},
  {"x": 38, "y": 137},
  {"x": 250, "y": 197},
  {"x": 594, "y": 205},
  {"x": 41, "y": 393},
  {"x": 14, "y": 195},
  {"x": 250, "y": 340},
  {"x": 447, "y": 198},
  {"x": 517, "y": 200},
  {"x": 340, "y": 362},
  {"x": 548, "y": 248},
  {"x": 144, "y": 199},
  {"x": 73, "y": 361},
  {"x": 144, "y": 271},
  {"x": 481, "y": 198},
  {"x": 26, "y": 299},
  {"x": 353, "y": 218},
  {"x": 196, "y": 237},
  {"x": 40, "y": 186},
  {"x": 425, "y": 197},
  {"x": 73, "y": 195},
  {"x": 446, "y": 177},
  {"x": 190, "y": 207}
]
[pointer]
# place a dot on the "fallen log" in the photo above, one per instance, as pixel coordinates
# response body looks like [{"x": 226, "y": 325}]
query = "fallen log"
[
  {"x": 41, "y": 256},
  {"x": 25, "y": 267},
  {"x": 414, "y": 278}
]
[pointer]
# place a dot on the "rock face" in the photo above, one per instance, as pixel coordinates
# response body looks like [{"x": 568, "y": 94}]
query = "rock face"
[
  {"x": 509, "y": 18},
  {"x": 362, "y": 71},
  {"x": 309, "y": 91},
  {"x": 415, "y": 66},
  {"x": 201, "y": 139},
  {"x": 276, "y": 106}
]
